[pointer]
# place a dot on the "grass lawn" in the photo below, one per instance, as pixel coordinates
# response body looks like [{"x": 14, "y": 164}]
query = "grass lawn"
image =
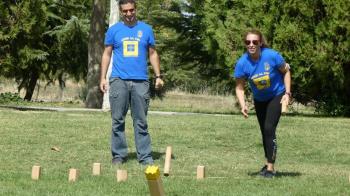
[{"x": 313, "y": 155}]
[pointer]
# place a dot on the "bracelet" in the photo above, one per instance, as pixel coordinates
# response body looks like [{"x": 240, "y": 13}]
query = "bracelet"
[
  {"x": 160, "y": 77},
  {"x": 288, "y": 93}
]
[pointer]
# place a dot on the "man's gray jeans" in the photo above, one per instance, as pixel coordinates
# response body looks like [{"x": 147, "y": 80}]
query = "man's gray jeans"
[{"x": 135, "y": 93}]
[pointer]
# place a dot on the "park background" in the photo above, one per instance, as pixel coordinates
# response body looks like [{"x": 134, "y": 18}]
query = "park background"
[
  {"x": 54, "y": 41},
  {"x": 50, "y": 52}
]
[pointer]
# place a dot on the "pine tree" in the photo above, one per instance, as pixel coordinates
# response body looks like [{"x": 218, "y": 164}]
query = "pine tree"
[{"x": 42, "y": 39}]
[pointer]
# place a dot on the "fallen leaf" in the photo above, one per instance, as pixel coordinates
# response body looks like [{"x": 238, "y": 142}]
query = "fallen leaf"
[{"x": 54, "y": 148}]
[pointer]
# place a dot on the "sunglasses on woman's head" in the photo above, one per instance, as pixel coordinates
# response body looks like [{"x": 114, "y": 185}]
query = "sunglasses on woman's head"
[{"x": 255, "y": 42}]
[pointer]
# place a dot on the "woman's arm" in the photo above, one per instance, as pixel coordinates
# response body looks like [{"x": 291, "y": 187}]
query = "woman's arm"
[
  {"x": 287, "y": 79},
  {"x": 240, "y": 83}
]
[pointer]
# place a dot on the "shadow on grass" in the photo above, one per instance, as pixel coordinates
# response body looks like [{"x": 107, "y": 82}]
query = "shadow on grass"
[
  {"x": 278, "y": 174},
  {"x": 155, "y": 155},
  {"x": 287, "y": 174}
]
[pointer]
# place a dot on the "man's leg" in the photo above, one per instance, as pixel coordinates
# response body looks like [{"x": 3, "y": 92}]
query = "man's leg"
[
  {"x": 119, "y": 101},
  {"x": 140, "y": 97}
]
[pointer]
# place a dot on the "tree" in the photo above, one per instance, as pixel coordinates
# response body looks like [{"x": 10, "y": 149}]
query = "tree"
[
  {"x": 314, "y": 37},
  {"x": 177, "y": 43},
  {"x": 24, "y": 43},
  {"x": 311, "y": 35},
  {"x": 94, "y": 98},
  {"x": 42, "y": 39},
  {"x": 113, "y": 18}
]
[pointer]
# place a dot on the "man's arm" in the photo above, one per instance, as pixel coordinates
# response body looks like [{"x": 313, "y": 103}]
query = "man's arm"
[
  {"x": 155, "y": 62},
  {"x": 106, "y": 58}
]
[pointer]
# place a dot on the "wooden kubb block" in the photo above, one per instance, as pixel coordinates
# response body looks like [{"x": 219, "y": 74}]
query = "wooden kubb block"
[
  {"x": 156, "y": 187},
  {"x": 284, "y": 107},
  {"x": 167, "y": 161},
  {"x": 73, "y": 175},
  {"x": 200, "y": 172},
  {"x": 36, "y": 170},
  {"x": 96, "y": 169},
  {"x": 154, "y": 181},
  {"x": 122, "y": 175}
]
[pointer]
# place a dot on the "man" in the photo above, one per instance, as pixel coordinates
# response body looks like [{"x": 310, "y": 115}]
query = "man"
[{"x": 130, "y": 41}]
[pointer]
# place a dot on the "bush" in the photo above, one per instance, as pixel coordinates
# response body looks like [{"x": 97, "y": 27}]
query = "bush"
[{"x": 9, "y": 97}]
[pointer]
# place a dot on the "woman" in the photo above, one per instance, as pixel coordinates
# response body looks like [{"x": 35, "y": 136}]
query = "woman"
[{"x": 270, "y": 81}]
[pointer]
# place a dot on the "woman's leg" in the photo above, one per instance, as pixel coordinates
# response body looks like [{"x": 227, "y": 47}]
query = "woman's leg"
[
  {"x": 260, "y": 108},
  {"x": 268, "y": 114},
  {"x": 273, "y": 114}
]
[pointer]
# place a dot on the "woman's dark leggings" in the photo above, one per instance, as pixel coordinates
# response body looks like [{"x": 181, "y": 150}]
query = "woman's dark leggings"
[{"x": 269, "y": 113}]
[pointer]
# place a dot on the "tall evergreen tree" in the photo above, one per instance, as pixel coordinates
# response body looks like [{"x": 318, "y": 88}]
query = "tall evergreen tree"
[
  {"x": 41, "y": 39},
  {"x": 311, "y": 35},
  {"x": 24, "y": 46}
]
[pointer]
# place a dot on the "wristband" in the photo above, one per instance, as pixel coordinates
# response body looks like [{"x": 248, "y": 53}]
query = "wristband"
[{"x": 288, "y": 93}]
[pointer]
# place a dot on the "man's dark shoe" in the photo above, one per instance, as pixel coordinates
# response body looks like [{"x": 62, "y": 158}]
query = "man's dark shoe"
[
  {"x": 118, "y": 161},
  {"x": 147, "y": 162},
  {"x": 263, "y": 170},
  {"x": 269, "y": 174}
]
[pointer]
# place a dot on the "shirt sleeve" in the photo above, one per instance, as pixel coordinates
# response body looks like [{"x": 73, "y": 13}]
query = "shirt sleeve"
[
  {"x": 239, "y": 72},
  {"x": 151, "y": 40},
  {"x": 109, "y": 37},
  {"x": 279, "y": 60}
]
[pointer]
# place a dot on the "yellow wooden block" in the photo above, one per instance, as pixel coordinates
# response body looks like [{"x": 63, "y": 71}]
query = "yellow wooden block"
[{"x": 152, "y": 172}]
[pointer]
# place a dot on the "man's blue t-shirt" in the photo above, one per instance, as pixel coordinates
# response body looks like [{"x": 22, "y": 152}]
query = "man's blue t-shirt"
[
  {"x": 265, "y": 80},
  {"x": 130, "y": 49}
]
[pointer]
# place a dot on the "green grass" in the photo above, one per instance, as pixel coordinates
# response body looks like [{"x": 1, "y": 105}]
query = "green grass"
[
  {"x": 313, "y": 155},
  {"x": 199, "y": 103}
]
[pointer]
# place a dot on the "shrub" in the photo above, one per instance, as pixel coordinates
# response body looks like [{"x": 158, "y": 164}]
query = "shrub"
[{"x": 9, "y": 97}]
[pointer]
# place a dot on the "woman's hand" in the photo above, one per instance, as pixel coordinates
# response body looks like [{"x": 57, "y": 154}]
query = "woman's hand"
[{"x": 244, "y": 111}]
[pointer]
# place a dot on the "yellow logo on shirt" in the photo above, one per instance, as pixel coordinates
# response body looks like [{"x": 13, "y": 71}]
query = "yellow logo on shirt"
[
  {"x": 262, "y": 82},
  {"x": 130, "y": 48}
]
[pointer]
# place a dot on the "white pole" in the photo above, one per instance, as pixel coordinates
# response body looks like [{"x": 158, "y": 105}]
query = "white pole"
[{"x": 113, "y": 18}]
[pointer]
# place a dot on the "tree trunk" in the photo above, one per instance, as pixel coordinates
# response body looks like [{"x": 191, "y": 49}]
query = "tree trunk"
[
  {"x": 94, "y": 96},
  {"x": 113, "y": 18},
  {"x": 31, "y": 86}
]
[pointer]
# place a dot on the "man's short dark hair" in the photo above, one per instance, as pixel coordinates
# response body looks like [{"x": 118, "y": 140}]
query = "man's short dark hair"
[{"x": 122, "y": 2}]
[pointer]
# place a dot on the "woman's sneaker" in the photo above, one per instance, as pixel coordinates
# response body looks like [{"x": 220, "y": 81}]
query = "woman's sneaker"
[
  {"x": 263, "y": 170},
  {"x": 269, "y": 174}
]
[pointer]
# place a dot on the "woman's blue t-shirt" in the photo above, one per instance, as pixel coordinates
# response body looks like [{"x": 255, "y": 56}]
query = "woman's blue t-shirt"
[
  {"x": 265, "y": 79},
  {"x": 130, "y": 49}
]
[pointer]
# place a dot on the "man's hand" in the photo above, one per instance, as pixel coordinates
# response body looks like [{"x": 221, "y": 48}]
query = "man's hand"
[
  {"x": 159, "y": 83},
  {"x": 103, "y": 85}
]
